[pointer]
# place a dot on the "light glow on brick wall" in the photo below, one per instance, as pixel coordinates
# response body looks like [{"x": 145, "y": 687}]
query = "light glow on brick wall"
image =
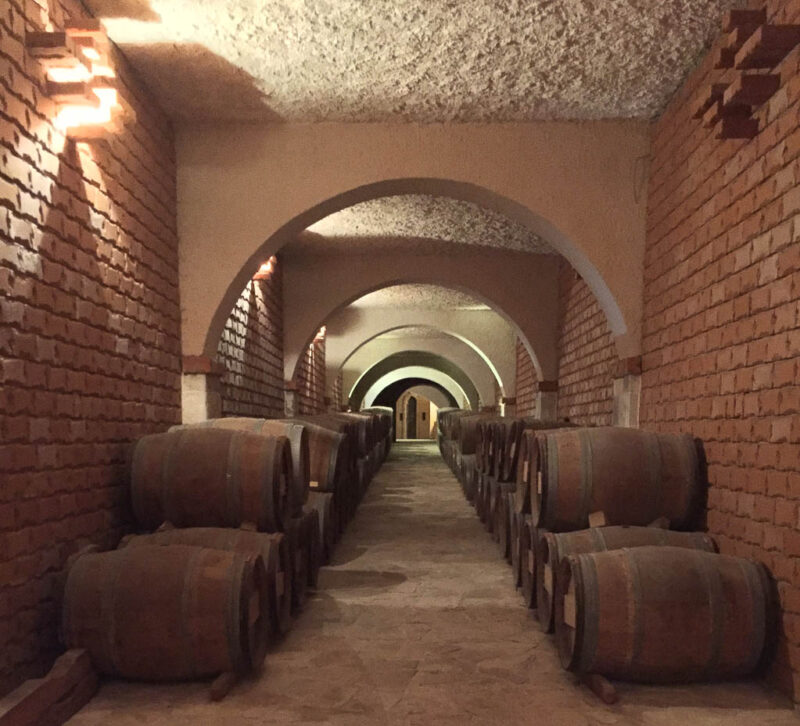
[{"x": 266, "y": 268}]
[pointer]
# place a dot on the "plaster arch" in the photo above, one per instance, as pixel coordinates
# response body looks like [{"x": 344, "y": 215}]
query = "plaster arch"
[
  {"x": 389, "y": 395},
  {"x": 574, "y": 184},
  {"x": 433, "y": 394},
  {"x": 485, "y": 332},
  {"x": 415, "y": 358},
  {"x": 520, "y": 287},
  {"x": 431, "y": 375},
  {"x": 446, "y": 347}
]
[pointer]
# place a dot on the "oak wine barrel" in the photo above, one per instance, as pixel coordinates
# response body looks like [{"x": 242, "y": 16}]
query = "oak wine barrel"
[
  {"x": 528, "y": 537},
  {"x": 322, "y": 504},
  {"x": 311, "y": 546},
  {"x": 551, "y": 548},
  {"x": 298, "y": 444},
  {"x": 298, "y": 560},
  {"x": 515, "y": 535},
  {"x": 664, "y": 614},
  {"x": 167, "y": 613},
  {"x": 271, "y": 547},
  {"x": 632, "y": 476},
  {"x": 331, "y": 461},
  {"x": 211, "y": 477}
]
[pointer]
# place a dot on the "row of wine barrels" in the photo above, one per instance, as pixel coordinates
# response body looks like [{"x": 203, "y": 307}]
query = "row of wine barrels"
[
  {"x": 664, "y": 614},
  {"x": 632, "y": 476},
  {"x": 465, "y": 431},
  {"x": 385, "y": 416},
  {"x": 211, "y": 477},
  {"x": 485, "y": 446},
  {"x": 551, "y": 548},
  {"x": 446, "y": 418},
  {"x": 629, "y": 602},
  {"x": 297, "y": 435},
  {"x": 168, "y": 613}
]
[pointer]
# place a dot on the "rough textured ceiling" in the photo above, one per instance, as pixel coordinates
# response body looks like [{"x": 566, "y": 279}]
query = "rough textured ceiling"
[
  {"x": 429, "y": 297},
  {"x": 415, "y": 331},
  {"x": 414, "y": 60},
  {"x": 414, "y": 222}
]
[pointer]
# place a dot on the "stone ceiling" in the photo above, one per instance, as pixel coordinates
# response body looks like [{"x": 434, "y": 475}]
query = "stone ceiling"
[
  {"x": 415, "y": 331},
  {"x": 414, "y": 222},
  {"x": 412, "y": 60},
  {"x": 429, "y": 297}
]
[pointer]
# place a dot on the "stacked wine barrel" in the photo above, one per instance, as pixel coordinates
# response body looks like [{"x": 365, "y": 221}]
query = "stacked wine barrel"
[
  {"x": 598, "y": 527},
  {"x": 234, "y": 518}
]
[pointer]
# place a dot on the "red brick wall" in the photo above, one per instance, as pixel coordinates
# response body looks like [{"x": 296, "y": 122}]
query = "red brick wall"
[
  {"x": 89, "y": 332},
  {"x": 251, "y": 349},
  {"x": 527, "y": 383},
  {"x": 721, "y": 335},
  {"x": 311, "y": 379},
  {"x": 337, "y": 392},
  {"x": 586, "y": 354}
]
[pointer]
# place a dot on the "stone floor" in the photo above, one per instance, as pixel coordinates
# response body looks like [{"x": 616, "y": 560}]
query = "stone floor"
[{"x": 417, "y": 622}]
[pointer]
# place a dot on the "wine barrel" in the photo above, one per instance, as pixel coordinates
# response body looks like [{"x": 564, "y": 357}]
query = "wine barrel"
[
  {"x": 551, "y": 548},
  {"x": 270, "y": 547},
  {"x": 511, "y": 443},
  {"x": 465, "y": 431},
  {"x": 321, "y": 503},
  {"x": 500, "y": 520},
  {"x": 528, "y": 536},
  {"x": 167, "y": 613},
  {"x": 527, "y": 463},
  {"x": 664, "y": 614},
  {"x": 526, "y": 470},
  {"x": 632, "y": 476},
  {"x": 296, "y": 533},
  {"x": 210, "y": 477},
  {"x": 446, "y": 418},
  {"x": 355, "y": 430},
  {"x": 385, "y": 415},
  {"x": 331, "y": 459},
  {"x": 470, "y": 477},
  {"x": 515, "y": 535},
  {"x": 484, "y": 448},
  {"x": 282, "y": 621},
  {"x": 311, "y": 547},
  {"x": 298, "y": 444}
]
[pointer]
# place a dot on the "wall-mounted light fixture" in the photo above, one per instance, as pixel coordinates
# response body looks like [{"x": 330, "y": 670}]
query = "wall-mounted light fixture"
[{"x": 81, "y": 79}]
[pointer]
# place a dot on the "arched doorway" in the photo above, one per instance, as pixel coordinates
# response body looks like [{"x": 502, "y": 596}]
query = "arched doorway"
[{"x": 411, "y": 417}]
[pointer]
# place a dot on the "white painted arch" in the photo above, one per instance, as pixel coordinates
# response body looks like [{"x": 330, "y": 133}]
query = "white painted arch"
[
  {"x": 520, "y": 287},
  {"x": 245, "y": 190},
  {"x": 430, "y": 374},
  {"x": 434, "y": 395},
  {"x": 486, "y": 333}
]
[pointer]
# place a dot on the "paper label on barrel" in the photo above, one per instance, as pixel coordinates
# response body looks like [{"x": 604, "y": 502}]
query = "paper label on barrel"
[
  {"x": 597, "y": 519},
  {"x": 279, "y": 583},
  {"x": 313, "y": 484},
  {"x": 538, "y": 482},
  {"x": 548, "y": 578},
  {"x": 531, "y": 561}
]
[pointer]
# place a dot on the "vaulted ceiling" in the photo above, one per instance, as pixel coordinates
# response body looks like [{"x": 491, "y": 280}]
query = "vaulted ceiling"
[
  {"x": 414, "y": 222},
  {"x": 412, "y": 60}
]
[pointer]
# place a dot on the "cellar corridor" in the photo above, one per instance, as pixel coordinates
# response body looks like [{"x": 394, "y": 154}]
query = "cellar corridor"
[{"x": 416, "y": 622}]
